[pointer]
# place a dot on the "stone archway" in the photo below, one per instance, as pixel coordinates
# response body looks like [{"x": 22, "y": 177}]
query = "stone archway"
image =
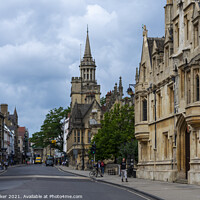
[{"x": 183, "y": 148}]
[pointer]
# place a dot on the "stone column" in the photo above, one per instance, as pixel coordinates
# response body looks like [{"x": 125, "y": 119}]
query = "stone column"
[
  {"x": 89, "y": 73},
  {"x": 186, "y": 88},
  {"x": 92, "y": 75}
]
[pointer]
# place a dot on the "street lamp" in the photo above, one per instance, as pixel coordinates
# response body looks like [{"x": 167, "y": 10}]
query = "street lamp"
[{"x": 129, "y": 90}]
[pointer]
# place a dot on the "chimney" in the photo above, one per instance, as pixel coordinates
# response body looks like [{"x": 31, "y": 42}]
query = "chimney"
[{"x": 4, "y": 109}]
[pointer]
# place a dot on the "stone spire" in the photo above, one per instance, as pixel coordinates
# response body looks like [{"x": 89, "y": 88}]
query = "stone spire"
[
  {"x": 120, "y": 88},
  {"x": 87, "y": 53},
  {"x": 87, "y": 66}
]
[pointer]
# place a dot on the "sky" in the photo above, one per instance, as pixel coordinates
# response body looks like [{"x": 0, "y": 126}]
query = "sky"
[{"x": 41, "y": 42}]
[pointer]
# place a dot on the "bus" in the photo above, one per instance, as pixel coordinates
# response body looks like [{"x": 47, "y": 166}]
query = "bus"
[{"x": 37, "y": 159}]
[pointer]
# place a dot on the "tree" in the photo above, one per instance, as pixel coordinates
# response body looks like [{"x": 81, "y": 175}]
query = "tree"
[
  {"x": 129, "y": 150},
  {"x": 37, "y": 139},
  {"x": 102, "y": 101},
  {"x": 51, "y": 129},
  {"x": 117, "y": 129}
]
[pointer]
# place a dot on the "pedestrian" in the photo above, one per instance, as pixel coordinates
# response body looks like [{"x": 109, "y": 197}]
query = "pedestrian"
[
  {"x": 123, "y": 170},
  {"x": 102, "y": 167},
  {"x": 6, "y": 164},
  {"x": 98, "y": 168}
]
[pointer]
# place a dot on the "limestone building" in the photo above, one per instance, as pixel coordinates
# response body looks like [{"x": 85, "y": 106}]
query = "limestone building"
[
  {"x": 167, "y": 100},
  {"x": 11, "y": 121},
  {"x": 86, "y": 112}
]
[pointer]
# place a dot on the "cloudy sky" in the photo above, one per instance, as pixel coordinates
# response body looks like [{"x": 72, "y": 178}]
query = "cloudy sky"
[{"x": 40, "y": 48}]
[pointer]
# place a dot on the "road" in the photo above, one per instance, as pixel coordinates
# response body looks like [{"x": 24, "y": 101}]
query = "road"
[{"x": 41, "y": 182}]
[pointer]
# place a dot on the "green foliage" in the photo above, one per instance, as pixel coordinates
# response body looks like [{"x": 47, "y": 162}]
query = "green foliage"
[
  {"x": 102, "y": 101},
  {"x": 51, "y": 129},
  {"x": 117, "y": 129},
  {"x": 128, "y": 150}
]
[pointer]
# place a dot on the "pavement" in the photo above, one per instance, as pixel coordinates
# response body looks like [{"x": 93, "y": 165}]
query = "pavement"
[
  {"x": 156, "y": 189},
  {"x": 12, "y": 166}
]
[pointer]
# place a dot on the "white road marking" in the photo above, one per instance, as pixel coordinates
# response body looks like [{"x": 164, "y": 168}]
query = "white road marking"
[
  {"x": 3, "y": 172},
  {"x": 43, "y": 176},
  {"x": 126, "y": 190}
]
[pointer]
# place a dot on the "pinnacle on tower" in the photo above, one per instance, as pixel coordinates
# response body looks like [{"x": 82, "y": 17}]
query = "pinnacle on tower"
[{"x": 87, "y": 53}]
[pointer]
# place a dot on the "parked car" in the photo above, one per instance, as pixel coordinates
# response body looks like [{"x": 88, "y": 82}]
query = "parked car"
[{"x": 50, "y": 161}]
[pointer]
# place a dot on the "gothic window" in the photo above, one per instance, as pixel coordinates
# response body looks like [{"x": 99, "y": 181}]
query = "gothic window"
[
  {"x": 196, "y": 35},
  {"x": 78, "y": 136},
  {"x": 182, "y": 83},
  {"x": 186, "y": 28},
  {"x": 197, "y": 88},
  {"x": 144, "y": 72},
  {"x": 75, "y": 136},
  {"x": 171, "y": 99},
  {"x": 188, "y": 88},
  {"x": 159, "y": 105},
  {"x": 177, "y": 34},
  {"x": 144, "y": 109},
  {"x": 166, "y": 144},
  {"x": 167, "y": 56}
]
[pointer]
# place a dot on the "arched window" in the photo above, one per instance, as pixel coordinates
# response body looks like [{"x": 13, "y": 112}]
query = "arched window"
[
  {"x": 197, "y": 87},
  {"x": 144, "y": 109}
]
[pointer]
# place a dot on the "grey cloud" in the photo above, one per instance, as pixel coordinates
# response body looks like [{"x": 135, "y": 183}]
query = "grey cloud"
[{"x": 40, "y": 48}]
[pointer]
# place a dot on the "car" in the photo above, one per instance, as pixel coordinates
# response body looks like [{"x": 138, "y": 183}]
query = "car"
[{"x": 50, "y": 161}]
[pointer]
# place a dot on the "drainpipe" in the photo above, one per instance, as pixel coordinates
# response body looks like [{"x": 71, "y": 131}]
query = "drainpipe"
[
  {"x": 174, "y": 81},
  {"x": 155, "y": 147},
  {"x": 155, "y": 119}
]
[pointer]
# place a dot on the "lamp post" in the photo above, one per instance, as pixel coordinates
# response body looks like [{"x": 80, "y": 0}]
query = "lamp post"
[{"x": 131, "y": 92}]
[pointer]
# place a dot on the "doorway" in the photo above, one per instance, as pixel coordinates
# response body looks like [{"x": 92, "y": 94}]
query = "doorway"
[{"x": 183, "y": 149}]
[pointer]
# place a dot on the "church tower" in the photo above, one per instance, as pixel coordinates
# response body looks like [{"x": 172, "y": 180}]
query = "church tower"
[
  {"x": 84, "y": 88},
  {"x": 87, "y": 66}
]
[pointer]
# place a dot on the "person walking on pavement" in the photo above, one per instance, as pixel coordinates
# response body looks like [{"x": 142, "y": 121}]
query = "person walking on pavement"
[
  {"x": 123, "y": 170},
  {"x": 102, "y": 167},
  {"x": 98, "y": 168}
]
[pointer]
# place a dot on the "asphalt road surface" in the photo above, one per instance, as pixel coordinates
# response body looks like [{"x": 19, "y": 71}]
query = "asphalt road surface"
[{"x": 41, "y": 182}]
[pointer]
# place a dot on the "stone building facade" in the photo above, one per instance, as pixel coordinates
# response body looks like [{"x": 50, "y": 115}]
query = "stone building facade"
[
  {"x": 116, "y": 96},
  {"x": 11, "y": 121},
  {"x": 167, "y": 100},
  {"x": 86, "y": 111}
]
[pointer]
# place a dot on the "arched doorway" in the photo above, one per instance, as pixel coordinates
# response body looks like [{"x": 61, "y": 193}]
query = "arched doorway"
[{"x": 183, "y": 148}]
